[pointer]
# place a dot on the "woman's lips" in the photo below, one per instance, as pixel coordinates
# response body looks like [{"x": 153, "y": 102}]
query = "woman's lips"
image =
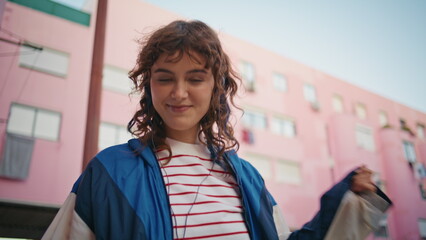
[{"x": 178, "y": 108}]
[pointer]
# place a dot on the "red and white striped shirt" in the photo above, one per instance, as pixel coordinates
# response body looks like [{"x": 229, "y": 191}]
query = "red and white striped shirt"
[{"x": 205, "y": 201}]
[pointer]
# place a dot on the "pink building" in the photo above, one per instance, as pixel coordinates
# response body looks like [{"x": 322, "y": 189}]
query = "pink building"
[{"x": 303, "y": 129}]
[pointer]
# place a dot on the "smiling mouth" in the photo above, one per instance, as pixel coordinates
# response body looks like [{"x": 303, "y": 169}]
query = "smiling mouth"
[{"x": 178, "y": 108}]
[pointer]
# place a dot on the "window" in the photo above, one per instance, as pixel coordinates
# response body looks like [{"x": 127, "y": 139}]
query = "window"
[
  {"x": 280, "y": 82},
  {"x": 337, "y": 102},
  {"x": 34, "y": 122},
  {"x": 288, "y": 172},
  {"x": 364, "y": 137},
  {"x": 421, "y": 131},
  {"x": 261, "y": 163},
  {"x": 284, "y": 127},
  {"x": 422, "y": 187},
  {"x": 383, "y": 119},
  {"x": 361, "y": 111},
  {"x": 422, "y": 227},
  {"x": 116, "y": 79},
  {"x": 47, "y": 60},
  {"x": 247, "y": 73},
  {"x": 310, "y": 93},
  {"x": 254, "y": 119},
  {"x": 409, "y": 151},
  {"x": 112, "y": 134}
]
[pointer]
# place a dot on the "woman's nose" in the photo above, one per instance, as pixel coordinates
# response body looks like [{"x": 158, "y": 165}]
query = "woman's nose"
[{"x": 180, "y": 90}]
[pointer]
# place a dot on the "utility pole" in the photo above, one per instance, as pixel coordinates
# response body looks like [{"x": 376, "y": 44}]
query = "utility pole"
[
  {"x": 2, "y": 6},
  {"x": 95, "y": 91}
]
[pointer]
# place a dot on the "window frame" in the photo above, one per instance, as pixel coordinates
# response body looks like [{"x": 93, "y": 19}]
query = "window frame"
[
  {"x": 288, "y": 162},
  {"x": 421, "y": 131},
  {"x": 383, "y": 119},
  {"x": 255, "y": 113},
  {"x": 109, "y": 84},
  {"x": 280, "y": 120},
  {"x": 337, "y": 98},
  {"x": 22, "y": 62},
  {"x": 361, "y": 115},
  {"x": 409, "y": 149},
  {"x": 117, "y": 128},
  {"x": 281, "y": 77},
  {"x": 309, "y": 88},
  {"x": 34, "y": 125},
  {"x": 419, "y": 222},
  {"x": 249, "y": 83},
  {"x": 361, "y": 133}
]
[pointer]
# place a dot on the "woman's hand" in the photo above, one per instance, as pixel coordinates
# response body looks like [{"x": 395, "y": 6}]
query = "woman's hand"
[{"x": 361, "y": 181}]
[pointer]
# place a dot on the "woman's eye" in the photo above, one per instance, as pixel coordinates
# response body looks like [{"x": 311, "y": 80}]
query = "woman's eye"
[
  {"x": 195, "y": 80},
  {"x": 163, "y": 80}
]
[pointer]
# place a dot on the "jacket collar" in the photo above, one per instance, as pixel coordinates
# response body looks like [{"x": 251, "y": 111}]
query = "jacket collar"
[
  {"x": 149, "y": 157},
  {"x": 145, "y": 151}
]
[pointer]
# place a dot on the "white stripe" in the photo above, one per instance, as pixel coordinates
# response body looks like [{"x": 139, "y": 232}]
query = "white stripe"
[{"x": 223, "y": 198}]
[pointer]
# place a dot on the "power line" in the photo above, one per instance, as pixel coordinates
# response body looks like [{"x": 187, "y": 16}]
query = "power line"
[
  {"x": 21, "y": 43},
  {"x": 7, "y": 75},
  {"x": 16, "y": 53},
  {"x": 14, "y": 35}
]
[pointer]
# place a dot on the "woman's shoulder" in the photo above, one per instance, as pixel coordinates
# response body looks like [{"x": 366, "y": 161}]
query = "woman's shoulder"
[
  {"x": 121, "y": 155},
  {"x": 115, "y": 151}
]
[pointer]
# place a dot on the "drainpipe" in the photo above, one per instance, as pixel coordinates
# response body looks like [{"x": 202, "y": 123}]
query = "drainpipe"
[
  {"x": 95, "y": 91},
  {"x": 2, "y": 6}
]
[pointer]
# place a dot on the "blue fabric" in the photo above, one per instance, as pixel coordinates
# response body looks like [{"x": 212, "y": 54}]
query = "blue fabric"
[
  {"x": 122, "y": 195},
  {"x": 103, "y": 207},
  {"x": 258, "y": 203}
]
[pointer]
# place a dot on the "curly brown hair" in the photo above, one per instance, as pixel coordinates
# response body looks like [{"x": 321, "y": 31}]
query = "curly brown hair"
[{"x": 186, "y": 37}]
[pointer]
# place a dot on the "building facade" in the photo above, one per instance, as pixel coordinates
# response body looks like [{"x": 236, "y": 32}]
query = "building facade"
[{"x": 302, "y": 129}]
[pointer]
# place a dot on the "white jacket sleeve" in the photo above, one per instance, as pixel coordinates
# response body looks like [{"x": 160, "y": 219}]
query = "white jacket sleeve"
[
  {"x": 357, "y": 216},
  {"x": 282, "y": 228},
  {"x": 67, "y": 224}
]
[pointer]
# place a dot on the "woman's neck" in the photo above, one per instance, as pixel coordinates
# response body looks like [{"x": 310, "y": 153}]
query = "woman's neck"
[{"x": 186, "y": 136}]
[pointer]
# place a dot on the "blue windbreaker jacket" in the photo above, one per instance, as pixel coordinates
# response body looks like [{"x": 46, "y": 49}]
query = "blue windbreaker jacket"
[{"x": 121, "y": 195}]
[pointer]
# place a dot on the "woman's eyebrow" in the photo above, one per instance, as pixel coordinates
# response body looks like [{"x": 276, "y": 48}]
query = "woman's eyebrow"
[
  {"x": 163, "y": 70},
  {"x": 198, "y": 70}
]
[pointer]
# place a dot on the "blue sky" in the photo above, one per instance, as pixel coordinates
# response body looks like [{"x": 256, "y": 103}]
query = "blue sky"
[{"x": 378, "y": 45}]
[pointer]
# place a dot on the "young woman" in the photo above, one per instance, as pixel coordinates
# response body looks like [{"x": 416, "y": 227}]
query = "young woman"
[{"x": 182, "y": 178}]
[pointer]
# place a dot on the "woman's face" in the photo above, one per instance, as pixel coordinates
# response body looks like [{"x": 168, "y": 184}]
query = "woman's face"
[{"x": 181, "y": 92}]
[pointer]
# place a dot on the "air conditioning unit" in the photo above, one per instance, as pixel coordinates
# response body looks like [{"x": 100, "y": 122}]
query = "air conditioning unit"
[
  {"x": 315, "y": 106},
  {"x": 250, "y": 86}
]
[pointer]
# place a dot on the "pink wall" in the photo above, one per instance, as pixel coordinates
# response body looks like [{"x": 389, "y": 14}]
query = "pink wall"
[
  {"x": 310, "y": 147},
  {"x": 321, "y": 135},
  {"x": 55, "y": 165},
  {"x": 401, "y": 185}
]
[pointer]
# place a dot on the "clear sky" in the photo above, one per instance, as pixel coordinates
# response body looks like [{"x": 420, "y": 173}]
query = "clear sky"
[{"x": 378, "y": 45}]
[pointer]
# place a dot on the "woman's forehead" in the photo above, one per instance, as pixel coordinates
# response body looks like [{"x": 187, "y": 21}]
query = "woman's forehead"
[{"x": 176, "y": 56}]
